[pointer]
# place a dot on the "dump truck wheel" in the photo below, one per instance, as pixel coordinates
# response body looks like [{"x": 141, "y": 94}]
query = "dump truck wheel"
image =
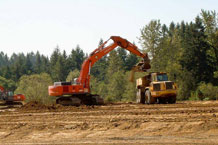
[
  {"x": 172, "y": 100},
  {"x": 140, "y": 96},
  {"x": 148, "y": 98},
  {"x": 162, "y": 100}
]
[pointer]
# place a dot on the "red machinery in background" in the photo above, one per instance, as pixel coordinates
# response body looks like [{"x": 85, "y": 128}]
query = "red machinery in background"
[
  {"x": 9, "y": 98},
  {"x": 78, "y": 92}
]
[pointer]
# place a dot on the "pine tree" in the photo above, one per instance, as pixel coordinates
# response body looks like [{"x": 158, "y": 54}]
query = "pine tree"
[
  {"x": 58, "y": 70},
  {"x": 99, "y": 68},
  {"x": 37, "y": 67},
  {"x": 114, "y": 63},
  {"x": 53, "y": 63},
  {"x": 114, "y": 77},
  {"x": 116, "y": 86},
  {"x": 76, "y": 58},
  {"x": 28, "y": 65},
  {"x": 131, "y": 60},
  {"x": 122, "y": 53},
  {"x": 45, "y": 64},
  {"x": 150, "y": 39},
  {"x": 195, "y": 57}
]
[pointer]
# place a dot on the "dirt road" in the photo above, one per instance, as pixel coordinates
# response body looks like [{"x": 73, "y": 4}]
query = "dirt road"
[{"x": 181, "y": 123}]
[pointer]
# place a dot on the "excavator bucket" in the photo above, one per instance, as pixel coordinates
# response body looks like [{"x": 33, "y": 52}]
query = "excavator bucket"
[{"x": 142, "y": 66}]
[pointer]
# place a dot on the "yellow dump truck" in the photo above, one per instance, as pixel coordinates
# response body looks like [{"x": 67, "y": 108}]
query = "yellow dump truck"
[{"x": 155, "y": 88}]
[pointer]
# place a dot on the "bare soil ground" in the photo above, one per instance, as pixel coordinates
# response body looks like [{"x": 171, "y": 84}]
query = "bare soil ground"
[{"x": 120, "y": 123}]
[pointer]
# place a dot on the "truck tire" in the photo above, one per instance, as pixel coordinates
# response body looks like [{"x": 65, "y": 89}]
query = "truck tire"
[
  {"x": 162, "y": 100},
  {"x": 172, "y": 100},
  {"x": 140, "y": 96},
  {"x": 148, "y": 98}
]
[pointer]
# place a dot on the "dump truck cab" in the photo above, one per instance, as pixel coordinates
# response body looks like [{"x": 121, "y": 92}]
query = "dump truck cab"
[{"x": 155, "y": 88}]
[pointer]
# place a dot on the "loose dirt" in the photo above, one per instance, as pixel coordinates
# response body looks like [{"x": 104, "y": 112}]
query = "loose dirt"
[{"x": 121, "y": 123}]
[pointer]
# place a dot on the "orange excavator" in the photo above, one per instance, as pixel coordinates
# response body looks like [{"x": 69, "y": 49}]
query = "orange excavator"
[
  {"x": 9, "y": 98},
  {"x": 78, "y": 92}
]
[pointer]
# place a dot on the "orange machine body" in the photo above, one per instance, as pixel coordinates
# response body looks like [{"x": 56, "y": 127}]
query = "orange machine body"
[
  {"x": 67, "y": 90},
  {"x": 9, "y": 96},
  {"x": 19, "y": 97}
]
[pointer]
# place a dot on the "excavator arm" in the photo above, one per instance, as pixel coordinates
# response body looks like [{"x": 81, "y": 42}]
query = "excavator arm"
[{"x": 101, "y": 51}]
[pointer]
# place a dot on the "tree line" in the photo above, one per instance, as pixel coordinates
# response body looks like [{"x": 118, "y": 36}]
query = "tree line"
[
  {"x": 19, "y": 71},
  {"x": 188, "y": 52}
]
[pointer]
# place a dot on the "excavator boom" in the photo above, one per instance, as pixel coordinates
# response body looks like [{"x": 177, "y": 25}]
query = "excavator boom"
[{"x": 102, "y": 51}]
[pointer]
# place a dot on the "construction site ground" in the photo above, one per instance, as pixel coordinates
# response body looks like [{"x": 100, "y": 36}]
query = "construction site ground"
[{"x": 120, "y": 123}]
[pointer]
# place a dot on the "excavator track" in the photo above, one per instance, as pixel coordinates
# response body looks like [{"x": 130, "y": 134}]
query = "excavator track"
[
  {"x": 10, "y": 104},
  {"x": 80, "y": 100},
  {"x": 68, "y": 101}
]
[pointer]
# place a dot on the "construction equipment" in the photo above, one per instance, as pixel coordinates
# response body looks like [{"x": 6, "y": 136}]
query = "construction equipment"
[
  {"x": 9, "y": 98},
  {"x": 155, "y": 88},
  {"x": 79, "y": 92}
]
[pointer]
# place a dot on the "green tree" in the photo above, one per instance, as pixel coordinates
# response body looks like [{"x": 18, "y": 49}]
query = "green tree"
[
  {"x": 195, "y": 56},
  {"x": 4, "y": 60},
  {"x": 131, "y": 60},
  {"x": 150, "y": 39},
  {"x": 28, "y": 64},
  {"x": 129, "y": 93},
  {"x": 116, "y": 86},
  {"x": 45, "y": 64},
  {"x": 114, "y": 64},
  {"x": 72, "y": 75},
  {"x": 56, "y": 62},
  {"x": 76, "y": 58},
  {"x": 38, "y": 68},
  {"x": 54, "y": 57},
  {"x": 98, "y": 87},
  {"x": 18, "y": 68},
  {"x": 210, "y": 22},
  {"x": 122, "y": 53},
  {"x": 100, "y": 67},
  {"x": 58, "y": 70},
  {"x": 7, "y": 84},
  {"x": 35, "y": 87}
]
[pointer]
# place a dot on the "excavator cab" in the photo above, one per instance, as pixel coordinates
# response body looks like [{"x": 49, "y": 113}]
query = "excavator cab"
[
  {"x": 10, "y": 93},
  {"x": 75, "y": 81}
]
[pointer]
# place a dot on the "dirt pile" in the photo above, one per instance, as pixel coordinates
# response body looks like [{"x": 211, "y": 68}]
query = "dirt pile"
[
  {"x": 34, "y": 105},
  {"x": 39, "y": 107}
]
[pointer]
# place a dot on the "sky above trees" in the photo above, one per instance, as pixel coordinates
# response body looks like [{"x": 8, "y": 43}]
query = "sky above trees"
[{"x": 41, "y": 25}]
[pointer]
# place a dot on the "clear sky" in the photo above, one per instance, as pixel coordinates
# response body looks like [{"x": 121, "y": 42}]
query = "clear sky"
[{"x": 31, "y": 25}]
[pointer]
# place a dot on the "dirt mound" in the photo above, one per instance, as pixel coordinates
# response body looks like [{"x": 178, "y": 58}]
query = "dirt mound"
[{"x": 34, "y": 105}]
